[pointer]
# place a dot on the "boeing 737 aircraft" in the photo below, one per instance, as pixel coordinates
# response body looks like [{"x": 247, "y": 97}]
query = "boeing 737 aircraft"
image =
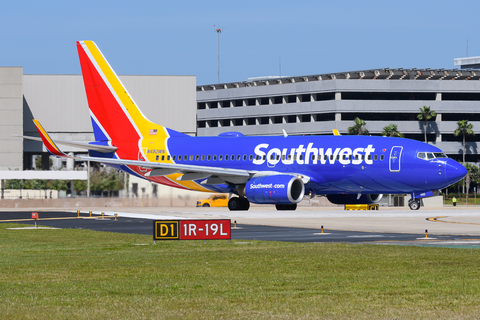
[{"x": 278, "y": 170}]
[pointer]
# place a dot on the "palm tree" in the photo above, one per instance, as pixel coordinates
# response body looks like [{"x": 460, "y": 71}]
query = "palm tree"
[
  {"x": 358, "y": 129},
  {"x": 464, "y": 128},
  {"x": 425, "y": 115},
  {"x": 392, "y": 131}
]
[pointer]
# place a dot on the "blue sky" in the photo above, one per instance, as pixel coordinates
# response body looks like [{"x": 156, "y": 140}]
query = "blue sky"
[{"x": 179, "y": 38}]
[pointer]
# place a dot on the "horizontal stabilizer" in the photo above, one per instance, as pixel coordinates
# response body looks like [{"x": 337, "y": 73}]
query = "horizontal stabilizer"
[{"x": 87, "y": 146}]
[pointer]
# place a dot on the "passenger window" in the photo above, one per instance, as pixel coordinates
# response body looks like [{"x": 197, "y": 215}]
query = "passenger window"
[
  {"x": 156, "y": 158},
  {"x": 338, "y": 157},
  {"x": 197, "y": 157},
  {"x": 191, "y": 158},
  {"x": 301, "y": 157},
  {"x": 344, "y": 157},
  {"x": 244, "y": 157},
  {"x": 313, "y": 157},
  {"x": 264, "y": 157},
  {"x": 168, "y": 158},
  {"x": 209, "y": 157},
  {"x": 375, "y": 157},
  {"x": 220, "y": 157},
  {"x": 283, "y": 157},
  {"x": 331, "y": 157},
  {"x": 185, "y": 158},
  {"x": 238, "y": 157},
  {"x": 215, "y": 158},
  {"x": 163, "y": 158},
  {"x": 369, "y": 157},
  {"x": 226, "y": 157},
  {"x": 382, "y": 157},
  {"x": 250, "y": 157},
  {"x": 203, "y": 157},
  {"x": 174, "y": 158},
  {"x": 289, "y": 157}
]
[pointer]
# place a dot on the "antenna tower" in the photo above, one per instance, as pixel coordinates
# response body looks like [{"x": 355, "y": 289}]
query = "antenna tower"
[{"x": 218, "y": 30}]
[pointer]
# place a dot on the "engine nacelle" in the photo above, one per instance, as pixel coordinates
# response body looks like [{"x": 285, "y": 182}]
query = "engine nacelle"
[
  {"x": 352, "y": 198},
  {"x": 275, "y": 189}
]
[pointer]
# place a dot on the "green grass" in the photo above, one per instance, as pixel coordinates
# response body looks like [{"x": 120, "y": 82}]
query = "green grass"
[{"x": 81, "y": 274}]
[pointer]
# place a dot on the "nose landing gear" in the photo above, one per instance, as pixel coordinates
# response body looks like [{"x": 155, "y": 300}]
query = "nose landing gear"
[{"x": 414, "y": 204}]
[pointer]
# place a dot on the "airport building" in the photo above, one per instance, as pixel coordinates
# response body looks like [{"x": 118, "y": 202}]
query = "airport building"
[{"x": 316, "y": 104}]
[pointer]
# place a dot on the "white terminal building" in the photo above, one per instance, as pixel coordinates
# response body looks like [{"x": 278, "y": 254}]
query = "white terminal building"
[{"x": 300, "y": 105}]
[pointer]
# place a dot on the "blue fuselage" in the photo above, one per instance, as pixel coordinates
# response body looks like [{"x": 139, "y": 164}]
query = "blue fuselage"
[{"x": 334, "y": 164}]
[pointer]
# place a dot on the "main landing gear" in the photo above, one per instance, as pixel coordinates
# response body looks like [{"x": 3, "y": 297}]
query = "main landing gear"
[
  {"x": 291, "y": 207},
  {"x": 236, "y": 203},
  {"x": 414, "y": 204},
  {"x": 241, "y": 203}
]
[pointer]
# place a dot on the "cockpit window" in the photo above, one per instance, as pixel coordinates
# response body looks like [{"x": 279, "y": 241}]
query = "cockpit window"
[
  {"x": 430, "y": 155},
  {"x": 440, "y": 155}
]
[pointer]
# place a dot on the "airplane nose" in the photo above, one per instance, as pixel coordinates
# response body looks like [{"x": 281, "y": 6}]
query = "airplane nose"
[{"x": 454, "y": 171}]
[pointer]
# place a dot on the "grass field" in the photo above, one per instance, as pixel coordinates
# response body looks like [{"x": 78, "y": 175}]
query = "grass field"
[{"x": 81, "y": 274}]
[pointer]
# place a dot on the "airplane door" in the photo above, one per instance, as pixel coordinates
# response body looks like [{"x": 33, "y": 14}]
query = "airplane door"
[{"x": 395, "y": 156}]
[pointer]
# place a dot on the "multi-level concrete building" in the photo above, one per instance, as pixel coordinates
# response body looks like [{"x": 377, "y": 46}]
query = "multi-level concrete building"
[{"x": 316, "y": 104}]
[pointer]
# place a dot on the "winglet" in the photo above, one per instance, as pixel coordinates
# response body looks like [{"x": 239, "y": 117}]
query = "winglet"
[
  {"x": 335, "y": 132},
  {"x": 48, "y": 142}
]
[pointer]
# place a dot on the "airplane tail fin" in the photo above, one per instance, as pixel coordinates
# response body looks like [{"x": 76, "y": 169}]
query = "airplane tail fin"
[{"x": 115, "y": 116}]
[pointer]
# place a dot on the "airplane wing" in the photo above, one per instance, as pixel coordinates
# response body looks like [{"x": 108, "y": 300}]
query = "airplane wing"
[
  {"x": 161, "y": 169},
  {"x": 190, "y": 172},
  {"x": 215, "y": 175}
]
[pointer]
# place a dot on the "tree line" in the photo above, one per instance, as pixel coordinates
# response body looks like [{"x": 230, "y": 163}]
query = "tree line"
[{"x": 103, "y": 182}]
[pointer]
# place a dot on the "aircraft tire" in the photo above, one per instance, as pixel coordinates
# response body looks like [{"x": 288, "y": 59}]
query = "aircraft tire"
[
  {"x": 291, "y": 207},
  {"x": 414, "y": 204},
  {"x": 234, "y": 204},
  {"x": 245, "y": 204}
]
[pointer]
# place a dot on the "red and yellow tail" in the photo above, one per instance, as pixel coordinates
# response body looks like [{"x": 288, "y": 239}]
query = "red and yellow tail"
[{"x": 115, "y": 116}]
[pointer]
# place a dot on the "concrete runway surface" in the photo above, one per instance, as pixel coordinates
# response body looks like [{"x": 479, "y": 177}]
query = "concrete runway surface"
[{"x": 457, "y": 227}]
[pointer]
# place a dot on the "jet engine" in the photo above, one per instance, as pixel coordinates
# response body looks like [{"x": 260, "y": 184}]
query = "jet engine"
[
  {"x": 353, "y": 198},
  {"x": 275, "y": 189}
]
